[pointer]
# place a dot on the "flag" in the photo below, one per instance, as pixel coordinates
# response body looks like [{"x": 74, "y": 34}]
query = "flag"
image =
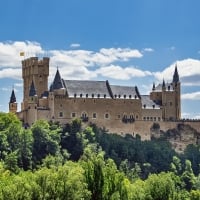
[{"x": 22, "y": 53}]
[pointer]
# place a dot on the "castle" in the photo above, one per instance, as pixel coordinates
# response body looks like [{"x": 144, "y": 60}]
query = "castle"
[{"x": 120, "y": 109}]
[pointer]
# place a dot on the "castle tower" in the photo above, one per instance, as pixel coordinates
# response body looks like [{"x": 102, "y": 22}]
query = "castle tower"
[
  {"x": 171, "y": 102},
  {"x": 37, "y": 71},
  {"x": 13, "y": 103},
  {"x": 177, "y": 89}
]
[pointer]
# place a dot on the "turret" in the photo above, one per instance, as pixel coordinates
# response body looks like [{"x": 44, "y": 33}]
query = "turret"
[
  {"x": 58, "y": 85},
  {"x": 13, "y": 103},
  {"x": 153, "y": 88},
  {"x": 33, "y": 98},
  {"x": 163, "y": 85},
  {"x": 175, "y": 76}
]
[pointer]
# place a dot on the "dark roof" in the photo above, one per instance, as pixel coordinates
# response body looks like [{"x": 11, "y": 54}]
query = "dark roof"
[
  {"x": 58, "y": 82},
  {"x": 175, "y": 76},
  {"x": 148, "y": 103},
  {"x": 45, "y": 94},
  {"x": 12, "y": 97},
  {"x": 87, "y": 88},
  {"x": 32, "y": 91},
  {"x": 168, "y": 86},
  {"x": 124, "y": 91}
]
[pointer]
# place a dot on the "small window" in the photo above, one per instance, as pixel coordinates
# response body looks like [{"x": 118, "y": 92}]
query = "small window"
[
  {"x": 94, "y": 115},
  {"x": 86, "y": 95},
  {"x": 98, "y": 95},
  {"x": 131, "y": 116},
  {"x": 81, "y": 95},
  {"x": 61, "y": 114},
  {"x": 107, "y": 116},
  {"x": 84, "y": 114},
  {"x": 124, "y": 96},
  {"x": 118, "y": 116},
  {"x": 92, "y": 95},
  {"x": 104, "y": 95},
  {"x": 154, "y": 118},
  {"x": 158, "y": 118},
  {"x": 144, "y": 118},
  {"x": 129, "y": 96},
  {"x": 170, "y": 103},
  {"x": 73, "y": 115},
  {"x": 136, "y": 116}
]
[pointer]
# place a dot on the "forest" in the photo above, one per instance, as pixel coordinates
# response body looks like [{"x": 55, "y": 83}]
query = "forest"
[{"x": 77, "y": 161}]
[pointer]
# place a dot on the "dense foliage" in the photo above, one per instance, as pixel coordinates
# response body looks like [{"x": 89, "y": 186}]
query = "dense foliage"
[{"x": 76, "y": 162}]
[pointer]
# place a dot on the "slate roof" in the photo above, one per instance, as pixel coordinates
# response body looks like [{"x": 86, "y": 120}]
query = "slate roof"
[
  {"x": 124, "y": 91},
  {"x": 175, "y": 76},
  {"x": 12, "y": 98},
  {"x": 94, "y": 89},
  {"x": 148, "y": 103},
  {"x": 32, "y": 91},
  {"x": 168, "y": 86},
  {"x": 58, "y": 82}
]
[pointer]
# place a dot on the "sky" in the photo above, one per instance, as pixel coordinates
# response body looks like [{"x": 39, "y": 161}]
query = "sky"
[{"x": 127, "y": 42}]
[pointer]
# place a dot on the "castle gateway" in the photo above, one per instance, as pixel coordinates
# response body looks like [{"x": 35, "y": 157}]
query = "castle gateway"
[{"x": 120, "y": 109}]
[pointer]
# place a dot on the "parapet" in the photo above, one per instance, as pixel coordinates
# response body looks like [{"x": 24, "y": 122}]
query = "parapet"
[{"x": 35, "y": 61}]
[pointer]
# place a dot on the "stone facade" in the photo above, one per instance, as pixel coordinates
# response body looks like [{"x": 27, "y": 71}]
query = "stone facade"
[{"x": 120, "y": 109}]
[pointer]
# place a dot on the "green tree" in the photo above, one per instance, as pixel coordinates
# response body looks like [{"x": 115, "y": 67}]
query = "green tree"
[
  {"x": 45, "y": 141},
  {"x": 188, "y": 176}
]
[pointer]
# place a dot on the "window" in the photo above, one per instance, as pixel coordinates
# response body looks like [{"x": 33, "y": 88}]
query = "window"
[
  {"x": 158, "y": 118},
  {"x": 84, "y": 115},
  {"x": 61, "y": 114},
  {"x": 94, "y": 115},
  {"x": 154, "y": 118},
  {"x": 107, "y": 116},
  {"x": 118, "y": 116},
  {"x": 131, "y": 116},
  {"x": 170, "y": 103},
  {"x": 144, "y": 118},
  {"x": 73, "y": 114}
]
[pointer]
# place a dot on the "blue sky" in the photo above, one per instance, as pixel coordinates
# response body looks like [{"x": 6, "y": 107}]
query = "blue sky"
[{"x": 128, "y": 42}]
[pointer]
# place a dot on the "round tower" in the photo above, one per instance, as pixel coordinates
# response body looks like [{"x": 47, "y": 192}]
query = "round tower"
[{"x": 13, "y": 103}]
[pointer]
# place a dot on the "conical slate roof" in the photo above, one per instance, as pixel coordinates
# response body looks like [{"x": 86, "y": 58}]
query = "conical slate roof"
[
  {"x": 175, "y": 76},
  {"x": 12, "y": 98},
  {"x": 57, "y": 83},
  {"x": 32, "y": 91}
]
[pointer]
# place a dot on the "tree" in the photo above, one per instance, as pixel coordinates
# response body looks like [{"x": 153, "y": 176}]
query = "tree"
[
  {"x": 188, "y": 176},
  {"x": 45, "y": 141}
]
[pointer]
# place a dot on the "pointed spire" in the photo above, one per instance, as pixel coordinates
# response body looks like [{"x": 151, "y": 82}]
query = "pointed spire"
[
  {"x": 32, "y": 91},
  {"x": 175, "y": 76},
  {"x": 153, "y": 88},
  {"x": 163, "y": 85},
  {"x": 12, "y": 97},
  {"x": 57, "y": 83}
]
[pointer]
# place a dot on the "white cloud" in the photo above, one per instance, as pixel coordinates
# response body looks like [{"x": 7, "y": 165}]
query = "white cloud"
[
  {"x": 72, "y": 62},
  {"x": 117, "y": 72},
  {"x": 188, "y": 69},
  {"x": 148, "y": 50},
  {"x": 75, "y": 45},
  {"x": 191, "y": 96},
  {"x": 10, "y": 52},
  {"x": 14, "y": 73}
]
